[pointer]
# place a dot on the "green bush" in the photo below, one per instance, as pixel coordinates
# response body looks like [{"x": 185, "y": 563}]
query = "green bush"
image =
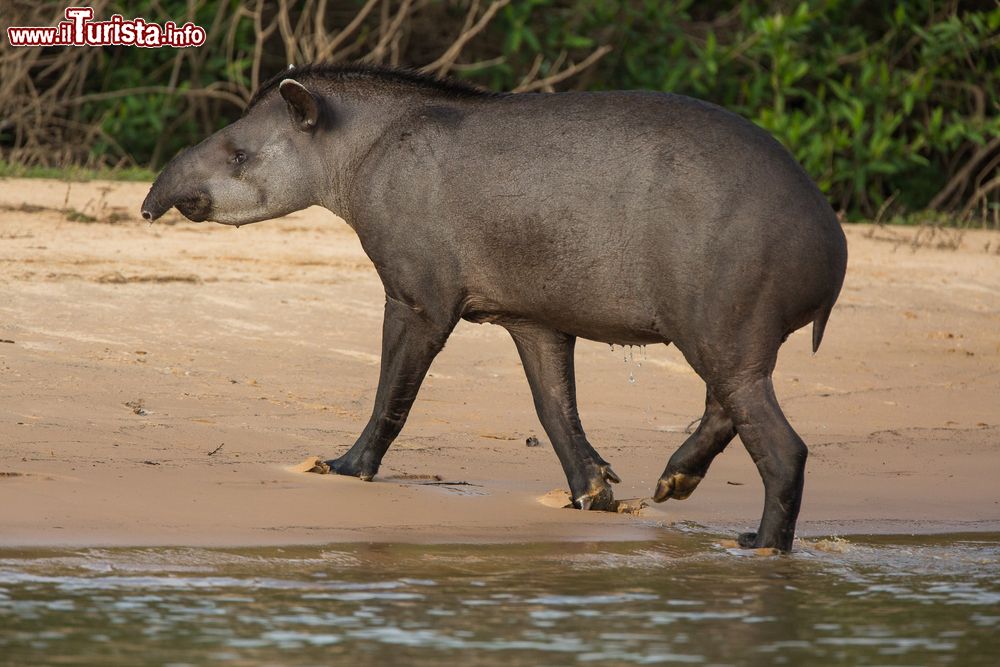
[{"x": 880, "y": 102}]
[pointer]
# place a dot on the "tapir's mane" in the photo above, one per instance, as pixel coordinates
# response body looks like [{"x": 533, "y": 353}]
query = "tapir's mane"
[{"x": 320, "y": 73}]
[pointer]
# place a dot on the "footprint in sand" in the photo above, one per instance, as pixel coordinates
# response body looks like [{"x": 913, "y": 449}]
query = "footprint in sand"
[
  {"x": 312, "y": 464},
  {"x": 316, "y": 465},
  {"x": 559, "y": 498}
]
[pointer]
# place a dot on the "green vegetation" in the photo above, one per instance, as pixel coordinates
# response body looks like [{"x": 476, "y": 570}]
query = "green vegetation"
[
  {"x": 76, "y": 173},
  {"x": 881, "y": 102},
  {"x": 892, "y": 107}
]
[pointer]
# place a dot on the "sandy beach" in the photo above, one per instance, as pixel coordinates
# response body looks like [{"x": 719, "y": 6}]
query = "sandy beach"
[{"x": 159, "y": 383}]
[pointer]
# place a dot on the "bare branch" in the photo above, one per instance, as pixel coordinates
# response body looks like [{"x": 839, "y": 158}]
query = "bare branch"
[
  {"x": 389, "y": 29},
  {"x": 448, "y": 58},
  {"x": 348, "y": 30},
  {"x": 152, "y": 90},
  {"x": 980, "y": 193},
  {"x": 961, "y": 177},
  {"x": 570, "y": 71},
  {"x": 532, "y": 72},
  {"x": 482, "y": 64}
]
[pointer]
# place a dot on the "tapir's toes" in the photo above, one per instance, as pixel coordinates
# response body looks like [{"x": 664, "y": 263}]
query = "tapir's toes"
[
  {"x": 664, "y": 489},
  {"x": 763, "y": 545},
  {"x": 602, "y": 500},
  {"x": 676, "y": 485},
  {"x": 349, "y": 468},
  {"x": 609, "y": 475}
]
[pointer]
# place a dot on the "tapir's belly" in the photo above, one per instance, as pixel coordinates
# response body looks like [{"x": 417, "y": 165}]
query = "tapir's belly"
[
  {"x": 601, "y": 295},
  {"x": 641, "y": 327}
]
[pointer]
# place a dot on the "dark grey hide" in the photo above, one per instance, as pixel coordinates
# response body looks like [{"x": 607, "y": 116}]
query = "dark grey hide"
[{"x": 629, "y": 218}]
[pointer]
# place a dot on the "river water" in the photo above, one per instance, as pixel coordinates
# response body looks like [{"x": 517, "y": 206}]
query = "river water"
[{"x": 689, "y": 599}]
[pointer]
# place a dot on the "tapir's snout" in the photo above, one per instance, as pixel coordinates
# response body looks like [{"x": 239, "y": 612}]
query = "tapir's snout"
[
  {"x": 195, "y": 206},
  {"x": 173, "y": 187},
  {"x": 152, "y": 206}
]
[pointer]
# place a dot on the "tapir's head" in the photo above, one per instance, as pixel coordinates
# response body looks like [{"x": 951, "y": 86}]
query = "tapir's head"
[{"x": 262, "y": 166}]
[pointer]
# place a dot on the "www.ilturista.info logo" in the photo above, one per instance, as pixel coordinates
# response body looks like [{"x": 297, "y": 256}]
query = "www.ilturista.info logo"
[{"x": 79, "y": 30}]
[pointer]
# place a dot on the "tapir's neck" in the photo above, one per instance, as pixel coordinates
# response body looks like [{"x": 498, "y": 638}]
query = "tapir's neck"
[
  {"x": 366, "y": 118},
  {"x": 360, "y": 123}
]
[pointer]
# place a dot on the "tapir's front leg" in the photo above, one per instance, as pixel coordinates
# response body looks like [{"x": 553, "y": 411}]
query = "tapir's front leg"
[{"x": 411, "y": 338}]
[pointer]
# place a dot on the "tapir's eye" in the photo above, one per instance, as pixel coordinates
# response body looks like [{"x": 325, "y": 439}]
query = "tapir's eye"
[{"x": 239, "y": 157}]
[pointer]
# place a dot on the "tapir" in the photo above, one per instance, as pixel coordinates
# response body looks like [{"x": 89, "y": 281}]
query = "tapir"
[{"x": 628, "y": 217}]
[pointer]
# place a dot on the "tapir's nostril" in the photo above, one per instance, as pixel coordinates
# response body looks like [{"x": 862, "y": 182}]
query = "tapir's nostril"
[{"x": 146, "y": 215}]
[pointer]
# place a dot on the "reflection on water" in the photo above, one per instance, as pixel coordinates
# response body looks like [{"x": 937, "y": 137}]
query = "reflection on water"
[{"x": 887, "y": 601}]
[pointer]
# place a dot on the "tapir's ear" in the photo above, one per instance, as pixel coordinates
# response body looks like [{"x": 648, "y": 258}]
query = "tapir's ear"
[{"x": 303, "y": 106}]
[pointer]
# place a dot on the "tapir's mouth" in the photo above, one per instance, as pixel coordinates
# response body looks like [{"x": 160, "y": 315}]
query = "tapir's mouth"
[{"x": 196, "y": 208}]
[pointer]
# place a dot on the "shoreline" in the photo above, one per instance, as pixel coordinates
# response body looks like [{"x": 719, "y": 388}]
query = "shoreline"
[{"x": 162, "y": 379}]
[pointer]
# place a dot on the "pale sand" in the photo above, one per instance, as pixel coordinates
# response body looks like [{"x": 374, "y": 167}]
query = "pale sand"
[{"x": 139, "y": 349}]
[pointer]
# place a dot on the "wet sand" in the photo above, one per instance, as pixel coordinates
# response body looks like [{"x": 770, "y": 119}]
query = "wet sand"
[{"x": 159, "y": 381}]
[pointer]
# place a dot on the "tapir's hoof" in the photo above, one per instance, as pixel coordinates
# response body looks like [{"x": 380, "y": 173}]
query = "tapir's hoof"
[
  {"x": 677, "y": 486},
  {"x": 601, "y": 500},
  {"x": 609, "y": 475},
  {"x": 762, "y": 544},
  {"x": 349, "y": 468}
]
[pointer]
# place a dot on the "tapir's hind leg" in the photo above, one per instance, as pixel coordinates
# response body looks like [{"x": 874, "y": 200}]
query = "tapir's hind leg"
[
  {"x": 410, "y": 341},
  {"x": 777, "y": 450},
  {"x": 547, "y": 356},
  {"x": 690, "y": 462}
]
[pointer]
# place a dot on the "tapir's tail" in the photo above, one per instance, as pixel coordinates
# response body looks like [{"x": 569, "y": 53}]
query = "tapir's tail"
[
  {"x": 819, "y": 324},
  {"x": 836, "y": 246}
]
